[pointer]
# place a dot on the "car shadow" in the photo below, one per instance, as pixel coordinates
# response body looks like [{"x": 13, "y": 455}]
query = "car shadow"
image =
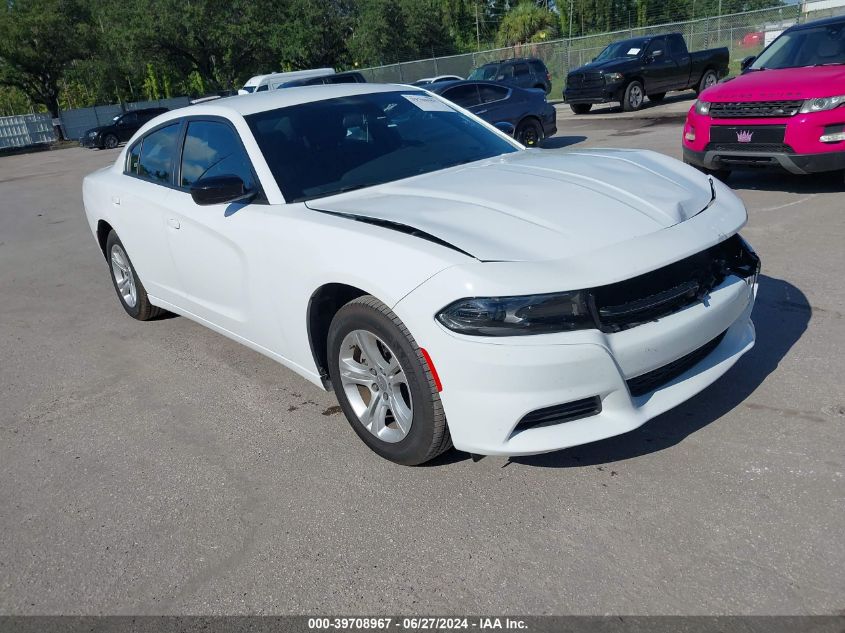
[
  {"x": 781, "y": 316},
  {"x": 826, "y": 182},
  {"x": 679, "y": 97},
  {"x": 558, "y": 142}
]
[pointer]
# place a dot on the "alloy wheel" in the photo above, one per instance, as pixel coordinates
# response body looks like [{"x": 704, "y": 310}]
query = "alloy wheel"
[
  {"x": 123, "y": 277},
  {"x": 376, "y": 386}
]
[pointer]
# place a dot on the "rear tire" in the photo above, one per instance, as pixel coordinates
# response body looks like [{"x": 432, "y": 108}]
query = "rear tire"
[
  {"x": 529, "y": 132},
  {"x": 657, "y": 97},
  {"x": 581, "y": 108},
  {"x": 372, "y": 355},
  {"x": 633, "y": 98},
  {"x": 130, "y": 291},
  {"x": 708, "y": 79}
]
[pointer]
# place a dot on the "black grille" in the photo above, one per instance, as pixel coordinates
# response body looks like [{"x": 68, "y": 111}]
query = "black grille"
[
  {"x": 584, "y": 80},
  {"x": 769, "y": 148},
  {"x": 559, "y": 413},
  {"x": 656, "y": 378},
  {"x": 754, "y": 109},
  {"x": 656, "y": 294}
]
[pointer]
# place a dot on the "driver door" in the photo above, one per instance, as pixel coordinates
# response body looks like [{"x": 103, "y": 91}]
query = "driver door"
[{"x": 205, "y": 240}]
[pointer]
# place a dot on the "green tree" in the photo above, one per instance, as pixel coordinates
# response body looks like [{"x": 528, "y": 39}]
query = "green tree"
[
  {"x": 527, "y": 22},
  {"x": 39, "y": 41}
]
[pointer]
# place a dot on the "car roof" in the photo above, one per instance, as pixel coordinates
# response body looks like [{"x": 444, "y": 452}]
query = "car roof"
[
  {"x": 245, "y": 105},
  {"x": 443, "y": 85},
  {"x": 512, "y": 60},
  {"x": 840, "y": 19}
]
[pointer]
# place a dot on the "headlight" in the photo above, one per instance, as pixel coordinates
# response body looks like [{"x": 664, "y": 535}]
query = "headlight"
[
  {"x": 702, "y": 107},
  {"x": 518, "y": 316},
  {"x": 612, "y": 78},
  {"x": 92, "y": 134},
  {"x": 821, "y": 104}
]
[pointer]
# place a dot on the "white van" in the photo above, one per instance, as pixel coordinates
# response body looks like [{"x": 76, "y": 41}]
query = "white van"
[{"x": 260, "y": 83}]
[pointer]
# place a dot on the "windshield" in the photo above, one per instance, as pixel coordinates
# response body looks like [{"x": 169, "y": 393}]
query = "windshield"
[
  {"x": 326, "y": 147},
  {"x": 818, "y": 46},
  {"x": 617, "y": 50},
  {"x": 484, "y": 72}
]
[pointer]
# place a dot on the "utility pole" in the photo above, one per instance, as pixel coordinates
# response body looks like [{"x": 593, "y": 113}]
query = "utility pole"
[
  {"x": 477, "y": 30},
  {"x": 569, "y": 42}
]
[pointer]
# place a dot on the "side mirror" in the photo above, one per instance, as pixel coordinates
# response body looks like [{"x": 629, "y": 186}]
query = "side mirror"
[
  {"x": 220, "y": 190},
  {"x": 504, "y": 126},
  {"x": 746, "y": 63}
]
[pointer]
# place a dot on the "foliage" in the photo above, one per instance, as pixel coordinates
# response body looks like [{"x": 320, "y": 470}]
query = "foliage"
[
  {"x": 75, "y": 53},
  {"x": 527, "y": 22}
]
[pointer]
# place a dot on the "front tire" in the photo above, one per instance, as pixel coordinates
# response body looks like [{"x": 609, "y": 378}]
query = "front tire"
[
  {"x": 110, "y": 141},
  {"x": 581, "y": 108},
  {"x": 708, "y": 79},
  {"x": 529, "y": 132},
  {"x": 130, "y": 291},
  {"x": 633, "y": 98},
  {"x": 383, "y": 384}
]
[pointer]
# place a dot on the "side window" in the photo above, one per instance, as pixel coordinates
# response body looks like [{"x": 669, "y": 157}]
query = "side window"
[
  {"x": 537, "y": 67},
  {"x": 658, "y": 44},
  {"x": 505, "y": 72},
  {"x": 132, "y": 157},
  {"x": 521, "y": 70},
  {"x": 464, "y": 96},
  {"x": 341, "y": 79},
  {"x": 157, "y": 154},
  {"x": 677, "y": 46},
  {"x": 129, "y": 119},
  {"x": 490, "y": 93},
  {"x": 213, "y": 149},
  {"x": 263, "y": 88}
]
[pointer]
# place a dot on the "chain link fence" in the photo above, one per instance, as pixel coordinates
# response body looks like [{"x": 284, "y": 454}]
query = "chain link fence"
[{"x": 743, "y": 34}]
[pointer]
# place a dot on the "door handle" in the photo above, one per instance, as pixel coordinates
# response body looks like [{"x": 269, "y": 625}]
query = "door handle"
[
  {"x": 481, "y": 111},
  {"x": 173, "y": 223}
]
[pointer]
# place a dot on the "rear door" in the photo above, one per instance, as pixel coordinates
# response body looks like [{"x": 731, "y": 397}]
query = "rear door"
[
  {"x": 679, "y": 53},
  {"x": 522, "y": 75},
  {"x": 127, "y": 126},
  {"x": 205, "y": 241},
  {"x": 494, "y": 105},
  {"x": 139, "y": 209}
]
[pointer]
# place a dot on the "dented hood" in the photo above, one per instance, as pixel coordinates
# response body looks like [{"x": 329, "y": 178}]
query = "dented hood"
[{"x": 538, "y": 204}]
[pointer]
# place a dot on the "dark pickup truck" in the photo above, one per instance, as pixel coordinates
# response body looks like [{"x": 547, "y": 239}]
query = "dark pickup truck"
[{"x": 630, "y": 70}]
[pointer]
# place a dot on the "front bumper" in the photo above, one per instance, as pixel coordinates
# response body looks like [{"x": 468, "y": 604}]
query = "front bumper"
[
  {"x": 793, "y": 163},
  {"x": 489, "y": 386},
  {"x": 606, "y": 93}
]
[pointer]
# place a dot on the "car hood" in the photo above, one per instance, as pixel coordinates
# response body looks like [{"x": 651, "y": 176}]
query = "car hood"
[
  {"x": 608, "y": 65},
  {"x": 786, "y": 83},
  {"x": 535, "y": 205}
]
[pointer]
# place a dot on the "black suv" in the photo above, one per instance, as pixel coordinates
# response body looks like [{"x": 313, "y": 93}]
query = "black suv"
[
  {"x": 525, "y": 73},
  {"x": 121, "y": 129}
]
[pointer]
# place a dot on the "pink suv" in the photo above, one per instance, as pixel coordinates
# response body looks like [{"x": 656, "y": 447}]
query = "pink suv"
[{"x": 787, "y": 109}]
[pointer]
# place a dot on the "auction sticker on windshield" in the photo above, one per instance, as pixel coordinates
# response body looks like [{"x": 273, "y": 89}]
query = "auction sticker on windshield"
[{"x": 429, "y": 104}]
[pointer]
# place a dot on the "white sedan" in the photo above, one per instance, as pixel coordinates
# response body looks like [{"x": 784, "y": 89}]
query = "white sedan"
[{"x": 451, "y": 286}]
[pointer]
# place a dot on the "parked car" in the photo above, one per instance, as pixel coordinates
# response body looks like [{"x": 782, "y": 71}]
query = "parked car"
[
  {"x": 449, "y": 285},
  {"x": 351, "y": 77},
  {"x": 525, "y": 73},
  {"x": 786, "y": 111},
  {"x": 425, "y": 81},
  {"x": 261, "y": 83},
  {"x": 121, "y": 129},
  {"x": 629, "y": 70},
  {"x": 526, "y": 113},
  {"x": 752, "y": 39}
]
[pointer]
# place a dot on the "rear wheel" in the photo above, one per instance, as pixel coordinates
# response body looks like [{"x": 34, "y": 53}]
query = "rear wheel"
[
  {"x": 708, "y": 79},
  {"x": 133, "y": 297},
  {"x": 581, "y": 108},
  {"x": 384, "y": 385},
  {"x": 529, "y": 132},
  {"x": 633, "y": 98},
  {"x": 657, "y": 97}
]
